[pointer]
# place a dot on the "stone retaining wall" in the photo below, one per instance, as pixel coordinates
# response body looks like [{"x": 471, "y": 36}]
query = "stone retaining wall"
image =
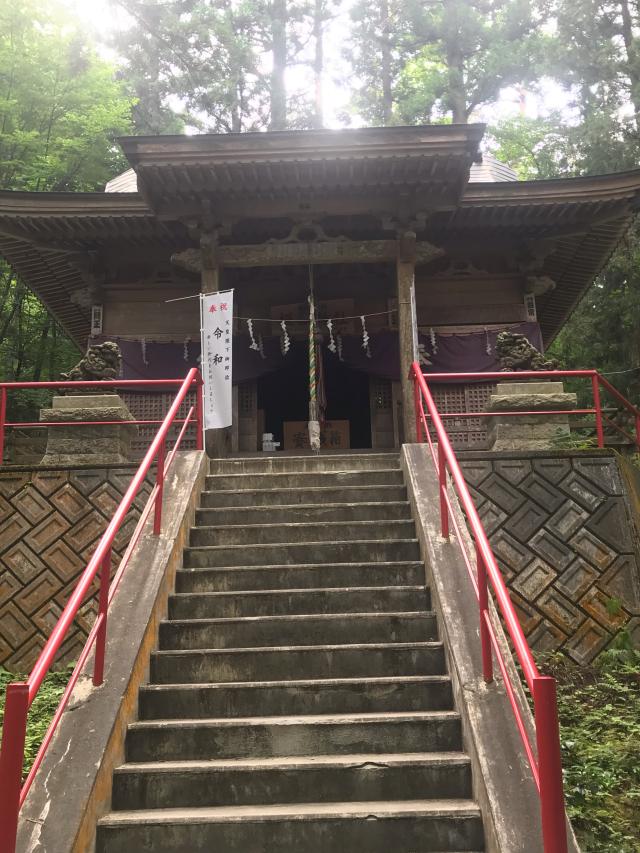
[
  {"x": 50, "y": 523},
  {"x": 565, "y": 537}
]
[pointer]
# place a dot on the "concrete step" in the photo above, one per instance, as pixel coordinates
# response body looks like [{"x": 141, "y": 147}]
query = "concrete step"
[
  {"x": 304, "y": 463},
  {"x": 300, "y": 577},
  {"x": 293, "y": 698},
  {"x": 302, "y": 494},
  {"x": 301, "y": 513},
  {"x": 262, "y": 737},
  {"x": 317, "y": 779},
  {"x": 365, "y": 551},
  {"x": 381, "y": 477},
  {"x": 427, "y": 826},
  {"x": 338, "y": 661},
  {"x": 326, "y": 629},
  {"x": 268, "y": 602},
  {"x": 321, "y": 531}
]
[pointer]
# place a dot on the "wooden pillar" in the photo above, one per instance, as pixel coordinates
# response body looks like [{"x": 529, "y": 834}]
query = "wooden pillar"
[
  {"x": 217, "y": 442},
  {"x": 406, "y": 267}
]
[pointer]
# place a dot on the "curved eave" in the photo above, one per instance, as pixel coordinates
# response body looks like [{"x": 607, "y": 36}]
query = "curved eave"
[
  {"x": 573, "y": 266},
  {"x": 564, "y": 190},
  {"x": 67, "y": 221},
  {"x": 54, "y": 280}
]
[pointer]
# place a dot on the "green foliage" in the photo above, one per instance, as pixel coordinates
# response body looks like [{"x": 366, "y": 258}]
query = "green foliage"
[
  {"x": 208, "y": 57},
  {"x": 536, "y": 148},
  {"x": 420, "y": 62},
  {"x": 41, "y": 711},
  {"x": 60, "y": 106},
  {"x": 60, "y": 109},
  {"x": 599, "y": 709}
]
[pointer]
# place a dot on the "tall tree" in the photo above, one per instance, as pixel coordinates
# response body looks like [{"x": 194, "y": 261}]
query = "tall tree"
[
  {"x": 60, "y": 108},
  {"x": 432, "y": 60},
  {"x": 223, "y": 62},
  {"x": 595, "y": 55},
  {"x": 466, "y": 52},
  {"x": 377, "y": 55}
]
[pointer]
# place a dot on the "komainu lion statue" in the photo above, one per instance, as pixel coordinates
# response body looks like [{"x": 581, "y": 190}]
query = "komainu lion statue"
[
  {"x": 101, "y": 362},
  {"x": 516, "y": 353}
]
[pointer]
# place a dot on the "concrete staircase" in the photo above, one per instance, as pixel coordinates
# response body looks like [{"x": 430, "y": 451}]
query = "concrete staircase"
[{"x": 298, "y": 699}]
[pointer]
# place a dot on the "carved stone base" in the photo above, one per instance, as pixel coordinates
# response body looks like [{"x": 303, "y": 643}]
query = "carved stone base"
[
  {"x": 529, "y": 432},
  {"x": 88, "y": 445}
]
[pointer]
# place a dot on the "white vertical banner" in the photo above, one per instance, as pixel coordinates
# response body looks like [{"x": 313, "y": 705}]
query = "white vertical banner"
[{"x": 216, "y": 325}]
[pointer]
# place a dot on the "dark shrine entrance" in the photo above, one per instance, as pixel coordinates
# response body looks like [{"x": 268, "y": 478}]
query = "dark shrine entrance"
[{"x": 283, "y": 397}]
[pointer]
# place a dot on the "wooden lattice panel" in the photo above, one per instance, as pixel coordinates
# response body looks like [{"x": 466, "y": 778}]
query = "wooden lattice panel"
[
  {"x": 464, "y": 433},
  {"x": 154, "y": 406}
]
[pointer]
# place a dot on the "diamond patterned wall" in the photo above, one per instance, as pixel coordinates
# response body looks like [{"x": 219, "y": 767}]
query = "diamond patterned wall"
[
  {"x": 50, "y": 524},
  {"x": 562, "y": 532}
]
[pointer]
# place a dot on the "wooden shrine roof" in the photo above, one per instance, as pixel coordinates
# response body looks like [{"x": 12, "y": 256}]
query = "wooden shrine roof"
[
  {"x": 291, "y": 164},
  {"x": 47, "y": 237}
]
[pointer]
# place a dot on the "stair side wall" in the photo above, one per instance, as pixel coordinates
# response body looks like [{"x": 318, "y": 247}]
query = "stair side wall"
[
  {"x": 562, "y": 527},
  {"x": 73, "y": 786},
  {"x": 51, "y": 520},
  {"x": 503, "y": 784}
]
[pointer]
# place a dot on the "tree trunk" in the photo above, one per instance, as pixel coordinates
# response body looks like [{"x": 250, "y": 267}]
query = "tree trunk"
[
  {"x": 18, "y": 296},
  {"x": 318, "y": 63},
  {"x": 42, "y": 348},
  {"x": 632, "y": 59},
  {"x": 385, "y": 69},
  {"x": 455, "y": 63},
  {"x": 279, "y": 50}
]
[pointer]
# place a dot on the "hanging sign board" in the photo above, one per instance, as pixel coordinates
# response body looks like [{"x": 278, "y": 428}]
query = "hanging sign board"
[{"x": 216, "y": 324}]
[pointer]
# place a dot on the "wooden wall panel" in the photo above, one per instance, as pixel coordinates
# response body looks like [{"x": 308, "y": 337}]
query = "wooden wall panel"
[
  {"x": 143, "y": 311},
  {"x": 452, "y": 301}
]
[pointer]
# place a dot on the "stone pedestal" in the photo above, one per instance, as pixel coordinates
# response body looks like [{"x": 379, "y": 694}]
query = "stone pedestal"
[
  {"x": 529, "y": 432},
  {"x": 88, "y": 445}
]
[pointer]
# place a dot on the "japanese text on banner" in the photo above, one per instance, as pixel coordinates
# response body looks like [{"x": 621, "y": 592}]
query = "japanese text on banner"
[{"x": 216, "y": 311}]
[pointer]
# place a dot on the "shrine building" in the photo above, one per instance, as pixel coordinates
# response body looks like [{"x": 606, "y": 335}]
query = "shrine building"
[{"x": 354, "y": 216}]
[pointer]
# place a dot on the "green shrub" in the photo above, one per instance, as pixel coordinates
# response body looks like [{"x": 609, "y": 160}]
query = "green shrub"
[
  {"x": 42, "y": 710},
  {"x": 599, "y": 709}
]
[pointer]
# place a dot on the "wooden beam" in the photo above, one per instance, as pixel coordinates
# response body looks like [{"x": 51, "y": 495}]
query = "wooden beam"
[{"x": 296, "y": 254}]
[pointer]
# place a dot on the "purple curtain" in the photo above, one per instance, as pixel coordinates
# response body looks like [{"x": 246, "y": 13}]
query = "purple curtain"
[{"x": 457, "y": 353}]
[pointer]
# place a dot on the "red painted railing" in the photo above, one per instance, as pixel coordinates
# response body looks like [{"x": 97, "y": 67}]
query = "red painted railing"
[
  {"x": 124, "y": 384},
  {"x": 19, "y": 696},
  {"x": 598, "y": 383},
  {"x": 546, "y": 766}
]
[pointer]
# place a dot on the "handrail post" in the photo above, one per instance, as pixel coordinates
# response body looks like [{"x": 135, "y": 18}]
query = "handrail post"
[
  {"x": 597, "y": 405},
  {"x": 157, "y": 512},
  {"x": 14, "y": 732},
  {"x": 483, "y": 603},
  {"x": 442, "y": 478},
  {"x": 199, "y": 413},
  {"x": 103, "y": 607},
  {"x": 554, "y": 826},
  {"x": 3, "y": 418},
  {"x": 417, "y": 405}
]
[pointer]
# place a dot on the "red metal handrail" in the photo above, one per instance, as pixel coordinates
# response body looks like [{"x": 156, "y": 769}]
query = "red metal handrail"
[
  {"x": 113, "y": 384},
  {"x": 547, "y": 767},
  {"x": 597, "y": 382},
  {"x": 20, "y": 695}
]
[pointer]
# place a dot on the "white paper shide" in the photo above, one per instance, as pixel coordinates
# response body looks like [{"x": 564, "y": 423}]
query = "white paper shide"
[{"x": 216, "y": 315}]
